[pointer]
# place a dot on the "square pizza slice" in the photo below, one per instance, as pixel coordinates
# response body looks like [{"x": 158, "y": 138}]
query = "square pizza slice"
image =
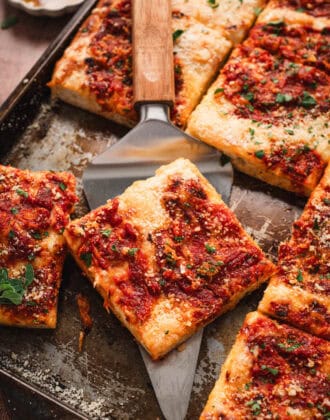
[
  {"x": 167, "y": 256},
  {"x": 95, "y": 72},
  {"x": 34, "y": 210},
  {"x": 299, "y": 292},
  {"x": 273, "y": 371},
  {"x": 269, "y": 109}
]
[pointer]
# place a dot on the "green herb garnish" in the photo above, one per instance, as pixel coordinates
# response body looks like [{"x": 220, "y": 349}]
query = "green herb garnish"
[
  {"x": 87, "y": 258},
  {"x": 12, "y": 289},
  {"x": 176, "y": 34}
]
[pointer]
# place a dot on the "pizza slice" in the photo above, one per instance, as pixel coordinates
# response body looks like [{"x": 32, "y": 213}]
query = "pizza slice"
[
  {"x": 299, "y": 293},
  {"x": 167, "y": 256},
  {"x": 273, "y": 371},
  {"x": 233, "y": 17},
  {"x": 269, "y": 109},
  {"x": 34, "y": 210},
  {"x": 95, "y": 72}
]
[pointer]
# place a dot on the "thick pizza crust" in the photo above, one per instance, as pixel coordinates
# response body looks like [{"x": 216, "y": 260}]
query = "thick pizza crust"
[
  {"x": 172, "y": 318},
  {"x": 234, "y": 17},
  {"x": 215, "y": 122},
  {"x": 198, "y": 54},
  {"x": 239, "y": 394},
  {"x": 302, "y": 299},
  {"x": 34, "y": 208}
]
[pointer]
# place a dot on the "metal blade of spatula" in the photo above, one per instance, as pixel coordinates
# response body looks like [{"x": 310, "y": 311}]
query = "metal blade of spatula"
[{"x": 153, "y": 142}]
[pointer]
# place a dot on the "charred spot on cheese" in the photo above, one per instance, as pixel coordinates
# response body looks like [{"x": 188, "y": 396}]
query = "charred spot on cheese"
[
  {"x": 279, "y": 69},
  {"x": 317, "y": 8}
]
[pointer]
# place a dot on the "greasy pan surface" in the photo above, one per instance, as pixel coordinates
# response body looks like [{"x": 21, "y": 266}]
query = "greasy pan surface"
[{"x": 108, "y": 379}]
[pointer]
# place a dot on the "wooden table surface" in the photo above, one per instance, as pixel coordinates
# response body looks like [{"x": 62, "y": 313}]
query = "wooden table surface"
[
  {"x": 22, "y": 44},
  {"x": 20, "y": 47}
]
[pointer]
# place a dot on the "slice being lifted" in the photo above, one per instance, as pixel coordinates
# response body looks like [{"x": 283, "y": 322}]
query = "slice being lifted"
[
  {"x": 34, "y": 210},
  {"x": 272, "y": 372},
  {"x": 269, "y": 109},
  {"x": 167, "y": 256},
  {"x": 95, "y": 72},
  {"x": 299, "y": 293}
]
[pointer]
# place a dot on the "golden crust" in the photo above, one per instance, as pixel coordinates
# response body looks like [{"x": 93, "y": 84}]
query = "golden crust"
[
  {"x": 299, "y": 292},
  {"x": 271, "y": 372},
  {"x": 264, "y": 148},
  {"x": 84, "y": 78},
  {"x": 34, "y": 209},
  {"x": 160, "y": 298}
]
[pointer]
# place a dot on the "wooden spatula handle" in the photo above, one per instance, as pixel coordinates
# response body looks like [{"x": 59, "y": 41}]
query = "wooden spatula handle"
[{"x": 152, "y": 51}]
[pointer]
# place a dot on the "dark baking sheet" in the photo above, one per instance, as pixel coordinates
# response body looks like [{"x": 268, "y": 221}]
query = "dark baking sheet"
[{"x": 108, "y": 379}]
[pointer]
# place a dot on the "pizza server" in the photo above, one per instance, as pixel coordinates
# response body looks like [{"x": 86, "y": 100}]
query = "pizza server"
[{"x": 153, "y": 142}]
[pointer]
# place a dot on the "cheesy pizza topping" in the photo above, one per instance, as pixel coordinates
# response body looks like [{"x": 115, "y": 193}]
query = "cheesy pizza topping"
[
  {"x": 299, "y": 292},
  {"x": 34, "y": 210},
  {"x": 272, "y": 372},
  {"x": 286, "y": 373},
  {"x": 201, "y": 257},
  {"x": 279, "y": 73}
]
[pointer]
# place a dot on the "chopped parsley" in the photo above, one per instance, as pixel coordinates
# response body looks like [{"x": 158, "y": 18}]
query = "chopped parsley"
[
  {"x": 132, "y": 251},
  {"x": 300, "y": 276},
  {"x": 259, "y": 154},
  {"x": 273, "y": 371},
  {"x": 290, "y": 346},
  {"x": 106, "y": 232},
  {"x": 14, "y": 210},
  {"x": 87, "y": 258},
  {"x": 282, "y": 98},
  {"x": 11, "y": 234},
  {"x": 290, "y": 132},
  {"x": 178, "y": 238},
  {"x": 255, "y": 407},
  {"x": 62, "y": 186},
  {"x": 210, "y": 249},
  {"x": 307, "y": 100},
  {"x": 218, "y": 90},
  {"x": 176, "y": 34},
  {"x": 21, "y": 192},
  {"x": 213, "y": 4}
]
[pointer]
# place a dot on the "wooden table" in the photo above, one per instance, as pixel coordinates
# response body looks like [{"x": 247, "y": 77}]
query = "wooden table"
[
  {"x": 20, "y": 47},
  {"x": 22, "y": 44}
]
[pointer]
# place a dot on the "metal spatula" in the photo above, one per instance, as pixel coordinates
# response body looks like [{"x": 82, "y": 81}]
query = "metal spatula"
[{"x": 153, "y": 142}]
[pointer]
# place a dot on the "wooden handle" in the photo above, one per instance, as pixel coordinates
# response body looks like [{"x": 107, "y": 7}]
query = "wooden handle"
[{"x": 153, "y": 73}]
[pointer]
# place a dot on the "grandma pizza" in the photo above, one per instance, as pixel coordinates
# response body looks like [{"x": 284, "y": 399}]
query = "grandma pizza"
[
  {"x": 34, "y": 209},
  {"x": 167, "y": 256},
  {"x": 269, "y": 109},
  {"x": 95, "y": 72},
  {"x": 299, "y": 293},
  {"x": 273, "y": 371}
]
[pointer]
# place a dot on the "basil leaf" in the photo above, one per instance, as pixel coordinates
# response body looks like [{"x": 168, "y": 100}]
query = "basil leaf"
[{"x": 29, "y": 275}]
